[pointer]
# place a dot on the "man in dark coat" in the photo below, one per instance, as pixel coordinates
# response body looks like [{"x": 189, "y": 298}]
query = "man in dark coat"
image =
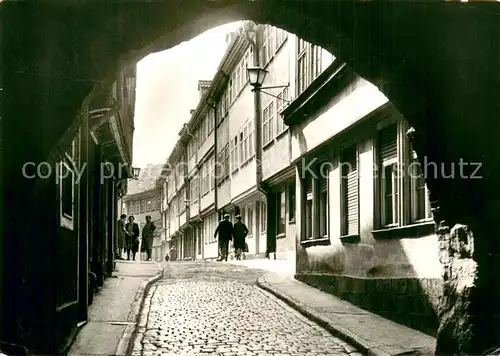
[
  {"x": 225, "y": 231},
  {"x": 132, "y": 238},
  {"x": 240, "y": 233}
]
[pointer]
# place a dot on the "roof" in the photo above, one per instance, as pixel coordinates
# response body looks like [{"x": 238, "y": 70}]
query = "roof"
[{"x": 146, "y": 181}]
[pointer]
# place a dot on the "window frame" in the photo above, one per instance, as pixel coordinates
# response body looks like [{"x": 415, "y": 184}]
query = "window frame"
[
  {"x": 281, "y": 203},
  {"x": 263, "y": 216},
  {"x": 67, "y": 221}
]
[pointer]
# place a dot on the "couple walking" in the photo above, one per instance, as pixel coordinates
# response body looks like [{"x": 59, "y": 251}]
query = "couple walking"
[
  {"x": 228, "y": 232},
  {"x": 128, "y": 237}
]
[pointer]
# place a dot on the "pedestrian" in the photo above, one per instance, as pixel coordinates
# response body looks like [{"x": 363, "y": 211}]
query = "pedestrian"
[
  {"x": 173, "y": 253},
  {"x": 147, "y": 237},
  {"x": 225, "y": 231},
  {"x": 240, "y": 233},
  {"x": 132, "y": 238},
  {"x": 121, "y": 233}
]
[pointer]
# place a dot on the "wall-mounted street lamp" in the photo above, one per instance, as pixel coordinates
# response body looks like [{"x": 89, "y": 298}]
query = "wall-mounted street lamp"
[
  {"x": 135, "y": 172},
  {"x": 256, "y": 77}
]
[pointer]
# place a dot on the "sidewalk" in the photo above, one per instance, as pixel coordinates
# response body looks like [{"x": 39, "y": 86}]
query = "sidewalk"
[
  {"x": 283, "y": 267},
  {"x": 369, "y": 332},
  {"x": 114, "y": 312}
]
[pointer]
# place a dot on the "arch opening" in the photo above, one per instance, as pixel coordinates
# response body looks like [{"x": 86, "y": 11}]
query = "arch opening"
[{"x": 433, "y": 69}]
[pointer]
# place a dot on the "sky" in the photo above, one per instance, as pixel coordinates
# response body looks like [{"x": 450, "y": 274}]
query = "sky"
[{"x": 167, "y": 89}]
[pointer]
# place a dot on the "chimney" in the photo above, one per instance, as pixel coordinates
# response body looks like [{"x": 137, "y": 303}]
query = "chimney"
[
  {"x": 191, "y": 111},
  {"x": 203, "y": 86}
]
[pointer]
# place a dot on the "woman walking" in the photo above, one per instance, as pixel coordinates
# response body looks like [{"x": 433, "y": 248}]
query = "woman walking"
[{"x": 240, "y": 233}]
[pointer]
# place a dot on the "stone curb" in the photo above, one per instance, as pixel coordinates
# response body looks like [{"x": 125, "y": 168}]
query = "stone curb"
[
  {"x": 134, "y": 314},
  {"x": 342, "y": 333}
]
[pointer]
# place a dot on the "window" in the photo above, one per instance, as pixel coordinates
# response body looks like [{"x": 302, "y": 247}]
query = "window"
[
  {"x": 316, "y": 61},
  {"x": 267, "y": 50},
  {"x": 281, "y": 103},
  {"x": 263, "y": 217},
  {"x": 389, "y": 188},
  {"x": 419, "y": 198},
  {"x": 66, "y": 192},
  {"x": 242, "y": 149},
  {"x": 302, "y": 66},
  {"x": 195, "y": 191},
  {"x": 315, "y": 202},
  {"x": 323, "y": 205},
  {"x": 205, "y": 179},
  {"x": 291, "y": 202},
  {"x": 143, "y": 206},
  {"x": 281, "y": 210},
  {"x": 268, "y": 124},
  {"x": 249, "y": 222},
  {"x": 281, "y": 36},
  {"x": 199, "y": 232},
  {"x": 148, "y": 206},
  {"x": 308, "y": 207},
  {"x": 223, "y": 163},
  {"x": 230, "y": 89},
  {"x": 349, "y": 191},
  {"x": 250, "y": 139},
  {"x": 210, "y": 119},
  {"x": 245, "y": 143},
  {"x": 192, "y": 147},
  {"x": 234, "y": 154},
  {"x": 212, "y": 174},
  {"x": 182, "y": 202}
]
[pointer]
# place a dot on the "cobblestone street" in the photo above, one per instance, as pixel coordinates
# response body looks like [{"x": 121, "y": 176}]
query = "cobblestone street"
[{"x": 216, "y": 308}]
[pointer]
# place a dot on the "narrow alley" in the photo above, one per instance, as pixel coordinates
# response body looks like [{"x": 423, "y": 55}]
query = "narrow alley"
[{"x": 216, "y": 308}]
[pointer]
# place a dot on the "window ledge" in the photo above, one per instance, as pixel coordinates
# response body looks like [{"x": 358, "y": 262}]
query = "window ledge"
[
  {"x": 281, "y": 134},
  {"x": 408, "y": 231},
  {"x": 267, "y": 145},
  {"x": 350, "y": 239},
  {"x": 322, "y": 241},
  {"x": 280, "y": 236}
]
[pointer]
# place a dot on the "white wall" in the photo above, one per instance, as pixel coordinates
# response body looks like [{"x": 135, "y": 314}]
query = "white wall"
[{"x": 355, "y": 102}]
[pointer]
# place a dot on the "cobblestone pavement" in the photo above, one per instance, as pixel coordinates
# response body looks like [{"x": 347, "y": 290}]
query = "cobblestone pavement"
[{"x": 203, "y": 308}]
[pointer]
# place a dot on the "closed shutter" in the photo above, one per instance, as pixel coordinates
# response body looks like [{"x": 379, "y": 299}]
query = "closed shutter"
[
  {"x": 350, "y": 181},
  {"x": 388, "y": 144}
]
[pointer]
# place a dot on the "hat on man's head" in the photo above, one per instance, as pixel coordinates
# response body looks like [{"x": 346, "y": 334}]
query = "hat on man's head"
[
  {"x": 226, "y": 215},
  {"x": 238, "y": 217}
]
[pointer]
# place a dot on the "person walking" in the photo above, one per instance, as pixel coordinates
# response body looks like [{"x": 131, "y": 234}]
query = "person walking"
[
  {"x": 132, "y": 238},
  {"x": 225, "y": 231},
  {"x": 240, "y": 233},
  {"x": 121, "y": 233},
  {"x": 147, "y": 237}
]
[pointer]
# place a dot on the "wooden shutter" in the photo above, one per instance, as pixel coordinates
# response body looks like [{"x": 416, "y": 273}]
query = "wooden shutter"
[
  {"x": 388, "y": 144},
  {"x": 350, "y": 181}
]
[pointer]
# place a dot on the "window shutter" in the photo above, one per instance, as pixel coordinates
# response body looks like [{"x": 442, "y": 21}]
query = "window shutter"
[
  {"x": 350, "y": 176},
  {"x": 388, "y": 144}
]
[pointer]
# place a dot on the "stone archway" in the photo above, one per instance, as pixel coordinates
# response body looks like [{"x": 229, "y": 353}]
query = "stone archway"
[{"x": 437, "y": 62}]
